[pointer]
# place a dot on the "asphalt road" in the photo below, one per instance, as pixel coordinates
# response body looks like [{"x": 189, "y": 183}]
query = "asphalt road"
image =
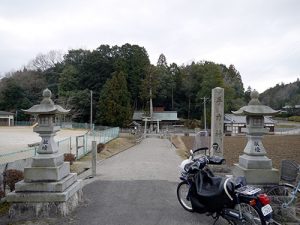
[{"x": 135, "y": 187}]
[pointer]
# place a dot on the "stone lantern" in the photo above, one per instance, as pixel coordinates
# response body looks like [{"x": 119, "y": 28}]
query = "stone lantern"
[
  {"x": 48, "y": 188},
  {"x": 254, "y": 163},
  {"x": 46, "y": 113}
]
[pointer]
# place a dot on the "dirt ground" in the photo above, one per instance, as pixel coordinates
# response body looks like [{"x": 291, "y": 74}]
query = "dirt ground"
[
  {"x": 17, "y": 138},
  {"x": 277, "y": 147},
  {"x": 111, "y": 148}
]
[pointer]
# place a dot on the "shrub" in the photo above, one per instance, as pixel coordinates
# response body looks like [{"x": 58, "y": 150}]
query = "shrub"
[
  {"x": 192, "y": 124},
  {"x": 69, "y": 157},
  {"x": 100, "y": 147},
  {"x": 11, "y": 177}
]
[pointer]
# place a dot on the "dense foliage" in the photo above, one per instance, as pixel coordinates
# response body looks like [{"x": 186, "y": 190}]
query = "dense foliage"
[{"x": 121, "y": 78}]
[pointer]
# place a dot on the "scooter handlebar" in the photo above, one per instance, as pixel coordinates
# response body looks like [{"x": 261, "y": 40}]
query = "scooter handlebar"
[{"x": 200, "y": 149}]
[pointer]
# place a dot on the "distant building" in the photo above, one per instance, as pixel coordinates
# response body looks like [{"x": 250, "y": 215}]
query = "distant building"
[
  {"x": 293, "y": 110},
  {"x": 159, "y": 119},
  {"x": 235, "y": 124},
  {"x": 6, "y": 118},
  {"x": 165, "y": 117}
]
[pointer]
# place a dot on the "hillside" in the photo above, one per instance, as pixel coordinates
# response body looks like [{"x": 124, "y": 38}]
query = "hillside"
[{"x": 282, "y": 95}]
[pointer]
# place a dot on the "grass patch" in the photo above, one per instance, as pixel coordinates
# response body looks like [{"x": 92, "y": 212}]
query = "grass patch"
[
  {"x": 180, "y": 146},
  {"x": 111, "y": 148}
]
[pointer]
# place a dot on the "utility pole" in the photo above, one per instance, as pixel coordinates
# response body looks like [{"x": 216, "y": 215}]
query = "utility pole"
[
  {"x": 204, "y": 104},
  {"x": 91, "y": 113}
]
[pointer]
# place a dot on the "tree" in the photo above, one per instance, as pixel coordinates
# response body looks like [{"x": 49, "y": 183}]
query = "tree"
[
  {"x": 163, "y": 79},
  {"x": 162, "y": 62},
  {"x": 191, "y": 79},
  {"x": 134, "y": 61},
  {"x": 149, "y": 85},
  {"x": 12, "y": 97},
  {"x": 234, "y": 89},
  {"x": 174, "y": 71},
  {"x": 43, "y": 62},
  {"x": 69, "y": 80},
  {"x": 114, "y": 103},
  {"x": 71, "y": 96},
  {"x": 78, "y": 101},
  {"x": 247, "y": 94}
]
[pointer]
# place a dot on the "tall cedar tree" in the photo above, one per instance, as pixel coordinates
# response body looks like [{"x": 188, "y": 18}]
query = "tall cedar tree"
[
  {"x": 114, "y": 103},
  {"x": 149, "y": 82}
]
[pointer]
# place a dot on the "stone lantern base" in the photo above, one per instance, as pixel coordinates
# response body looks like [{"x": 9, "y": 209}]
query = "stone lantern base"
[
  {"x": 45, "y": 204},
  {"x": 48, "y": 189},
  {"x": 257, "y": 170}
]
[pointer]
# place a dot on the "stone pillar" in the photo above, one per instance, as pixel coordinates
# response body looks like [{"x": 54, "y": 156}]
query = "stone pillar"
[
  {"x": 94, "y": 158},
  {"x": 217, "y": 121},
  {"x": 145, "y": 128},
  {"x": 157, "y": 126}
]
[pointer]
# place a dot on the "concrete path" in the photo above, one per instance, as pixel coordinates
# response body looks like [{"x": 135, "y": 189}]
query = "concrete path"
[{"x": 136, "y": 187}]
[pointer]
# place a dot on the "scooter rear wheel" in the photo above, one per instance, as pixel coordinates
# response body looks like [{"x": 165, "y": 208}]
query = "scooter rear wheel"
[
  {"x": 182, "y": 195},
  {"x": 252, "y": 215}
]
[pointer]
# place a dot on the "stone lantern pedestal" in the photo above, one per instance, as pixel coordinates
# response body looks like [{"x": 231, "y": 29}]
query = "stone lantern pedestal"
[
  {"x": 254, "y": 164},
  {"x": 48, "y": 188}
]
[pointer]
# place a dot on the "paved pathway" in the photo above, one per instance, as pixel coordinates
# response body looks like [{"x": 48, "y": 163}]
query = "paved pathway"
[{"x": 137, "y": 186}]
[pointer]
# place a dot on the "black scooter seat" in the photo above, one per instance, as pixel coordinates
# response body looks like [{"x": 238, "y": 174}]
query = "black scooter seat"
[
  {"x": 208, "y": 193},
  {"x": 208, "y": 186}
]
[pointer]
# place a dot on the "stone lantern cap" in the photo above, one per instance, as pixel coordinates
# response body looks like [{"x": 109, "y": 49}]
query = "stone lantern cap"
[
  {"x": 46, "y": 106},
  {"x": 255, "y": 107}
]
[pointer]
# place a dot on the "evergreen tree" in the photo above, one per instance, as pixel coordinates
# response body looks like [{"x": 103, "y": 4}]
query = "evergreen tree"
[
  {"x": 150, "y": 82},
  {"x": 114, "y": 103}
]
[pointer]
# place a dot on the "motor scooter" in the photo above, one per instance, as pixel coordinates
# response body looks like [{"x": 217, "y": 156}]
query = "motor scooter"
[{"x": 202, "y": 192}]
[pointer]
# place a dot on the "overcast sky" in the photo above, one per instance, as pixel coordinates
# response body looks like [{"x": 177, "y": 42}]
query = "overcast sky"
[{"x": 260, "y": 38}]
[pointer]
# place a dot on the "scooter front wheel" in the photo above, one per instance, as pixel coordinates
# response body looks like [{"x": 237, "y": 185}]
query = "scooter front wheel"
[{"x": 182, "y": 195}]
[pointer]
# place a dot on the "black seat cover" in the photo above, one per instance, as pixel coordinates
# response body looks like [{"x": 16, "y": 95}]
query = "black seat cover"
[
  {"x": 207, "y": 185},
  {"x": 208, "y": 192}
]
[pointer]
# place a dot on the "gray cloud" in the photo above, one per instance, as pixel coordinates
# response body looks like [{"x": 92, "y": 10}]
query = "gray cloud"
[{"x": 261, "y": 38}]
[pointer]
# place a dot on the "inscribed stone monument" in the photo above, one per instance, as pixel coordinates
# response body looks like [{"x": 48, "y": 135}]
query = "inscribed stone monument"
[{"x": 217, "y": 120}]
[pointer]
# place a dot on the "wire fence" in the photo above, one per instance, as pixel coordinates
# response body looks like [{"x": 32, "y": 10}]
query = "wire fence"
[
  {"x": 64, "y": 146},
  {"x": 23, "y": 123},
  {"x": 84, "y": 142}
]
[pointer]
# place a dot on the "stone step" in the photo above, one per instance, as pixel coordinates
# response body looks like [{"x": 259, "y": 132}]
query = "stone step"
[
  {"x": 47, "y": 160},
  {"x": 28, "y": 197},
  {"x": 59, "y": 186},
  {"x": 39, "y": 174}
]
